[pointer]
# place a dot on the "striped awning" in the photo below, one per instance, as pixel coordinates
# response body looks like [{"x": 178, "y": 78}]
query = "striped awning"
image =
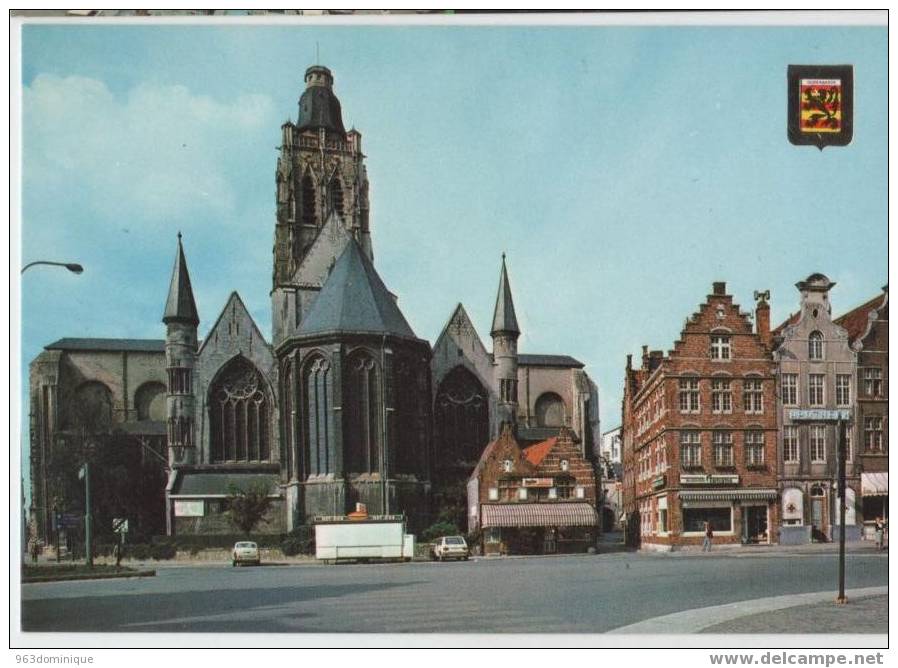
[
  {"x": 875, "y": 484},
  {"x": 563, "y": 514},
  {"x": 727, "y": 494}
]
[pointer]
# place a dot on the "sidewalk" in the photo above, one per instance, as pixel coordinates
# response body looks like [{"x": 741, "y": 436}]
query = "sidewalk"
[{"x": 861, "y": 615}]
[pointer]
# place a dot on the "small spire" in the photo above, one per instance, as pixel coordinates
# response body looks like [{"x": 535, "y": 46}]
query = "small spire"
[
  {"x": 180, "y": 305},
  {"x": 504, "y": 319}
]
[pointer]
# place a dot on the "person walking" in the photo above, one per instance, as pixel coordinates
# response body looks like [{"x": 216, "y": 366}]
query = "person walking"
[
  {"x": 880, "y": 533},
  {"x": 709, "y": 534}
]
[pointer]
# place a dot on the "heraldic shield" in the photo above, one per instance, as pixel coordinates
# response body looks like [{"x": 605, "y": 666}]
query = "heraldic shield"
[{"x": 821, "y": 105}]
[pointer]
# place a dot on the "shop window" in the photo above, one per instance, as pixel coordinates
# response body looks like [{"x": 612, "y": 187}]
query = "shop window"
[{"x": 720, "y": 519}]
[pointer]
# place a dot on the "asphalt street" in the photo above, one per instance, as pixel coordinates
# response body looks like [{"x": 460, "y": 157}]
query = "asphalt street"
[{"x": 582, "y": 594}]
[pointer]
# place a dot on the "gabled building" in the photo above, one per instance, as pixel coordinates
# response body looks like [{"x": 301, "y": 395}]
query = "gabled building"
[
  {"x": 699, "y": 433},
  {"x": 816, "y": 369},
  {"x": 536, "y": 500},
  {"x": 868, "y": 332}
]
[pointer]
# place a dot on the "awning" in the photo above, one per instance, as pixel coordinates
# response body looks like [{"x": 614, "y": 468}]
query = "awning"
[
  {"x": 564, "y": 514},
  {"x": 875, "y": 484},
  {"x": 727, "y": 495}
]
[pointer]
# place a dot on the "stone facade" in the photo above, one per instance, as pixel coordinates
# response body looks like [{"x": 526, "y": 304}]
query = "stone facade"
[
  {"x": 816, "y": 368},
  {"x": 699, "y": 434}
]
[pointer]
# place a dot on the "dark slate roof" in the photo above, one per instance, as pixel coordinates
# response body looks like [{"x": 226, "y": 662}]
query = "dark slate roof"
[
  {"x": 110, "y": 345},
  {"x": 203, "y": 483},
  {"x": 355, "y": 299},
  {"x": 180, "y": 307},
  {"x": 319, "y": 107},
  {"x": 504, "y": 319},
  {"x": 549, "y": 360}
]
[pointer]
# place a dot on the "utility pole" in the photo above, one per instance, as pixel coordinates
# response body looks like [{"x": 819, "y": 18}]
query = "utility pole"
[
  {"x": 88, "y": 548},
  {"x": 842, "y": 462}
]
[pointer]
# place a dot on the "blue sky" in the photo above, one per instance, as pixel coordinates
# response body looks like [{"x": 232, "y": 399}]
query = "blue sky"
[{"x": 621, "y": 169}]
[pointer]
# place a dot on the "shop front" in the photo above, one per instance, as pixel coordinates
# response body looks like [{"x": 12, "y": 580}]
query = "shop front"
[
  {"x": 538, "y": 528},
  {"x": 742, "y": 516},
  {"x": 875, "y": 493}
]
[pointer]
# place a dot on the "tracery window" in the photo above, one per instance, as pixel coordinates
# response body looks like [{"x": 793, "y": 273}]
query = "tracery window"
[
  {"x": 335, "y": 196},
  {"x": 462, "y": 418},
  {"x": 406, "y": 449},
  {"x": 289, "y": 417},
  {"x": 240, "y": 412},
  {"x": 317, "y": 390},
  {"x": 362, "y": 405},
  {"x": 307, "y": 190}
]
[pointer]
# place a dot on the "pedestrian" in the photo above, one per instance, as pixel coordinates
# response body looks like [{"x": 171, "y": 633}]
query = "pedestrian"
[
  {"x": 35, "y": 551},
  {"x": 709, "y": 534},
  {"x": 880, "y": 532}
]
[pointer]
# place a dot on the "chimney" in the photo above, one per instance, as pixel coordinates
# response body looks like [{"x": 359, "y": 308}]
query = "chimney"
[
  {"x": 762, "y": 317},
  {"x": 720, "y": 287},
  {"x": 629, "y": 361},
  {"x": 645, "y": 357}
]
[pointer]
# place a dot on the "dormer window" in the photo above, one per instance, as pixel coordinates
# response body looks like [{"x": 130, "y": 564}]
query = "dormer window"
[
  {"x": 564, "y": 465},
  {"x": 815, "y": 346}
]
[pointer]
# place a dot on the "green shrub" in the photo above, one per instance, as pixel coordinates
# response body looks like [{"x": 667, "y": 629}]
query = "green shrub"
[
  {"x": 439, "y": 530},
  {"x": 163, "y": 551},
  {"x": 141, "y": 551}
]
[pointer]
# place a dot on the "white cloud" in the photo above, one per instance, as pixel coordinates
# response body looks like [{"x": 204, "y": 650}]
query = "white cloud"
[{"x": 156, "y": 152}]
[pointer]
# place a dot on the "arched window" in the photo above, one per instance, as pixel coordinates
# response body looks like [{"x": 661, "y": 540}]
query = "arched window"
[
  {"x": 362, "y": 406},
  {"x": 462, "y": 418},
  {"x": 289, "y": 419},
  {"x": 149, "y": 400},
  {"x": 307, "y": 197},
  {"x": 239, "y": 414},
  {"x": 815, "y": 346},
  {"x": 405, "y": 450},
  {"x": 550, "y": 410},
  {"x": 335, "y": 196},
  {"x": 316, "y": 421},
  {"x": 91, "y": 408}
]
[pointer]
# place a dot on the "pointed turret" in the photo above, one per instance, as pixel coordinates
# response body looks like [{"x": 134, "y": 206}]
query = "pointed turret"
[
  {"x": 504, "y": 319},
  {"x": 180, "y": 306},
  {"x": 505, "y": 333}
]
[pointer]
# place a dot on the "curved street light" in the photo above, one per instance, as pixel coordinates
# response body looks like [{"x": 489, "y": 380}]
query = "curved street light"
[{"x": 73, "y": 267}]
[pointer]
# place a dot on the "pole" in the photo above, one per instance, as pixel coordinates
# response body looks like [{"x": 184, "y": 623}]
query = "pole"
[
  {"x": 87, "y": 523},
  {"x": 842, "y": 461},
  {"x": 56, "y": 521}
]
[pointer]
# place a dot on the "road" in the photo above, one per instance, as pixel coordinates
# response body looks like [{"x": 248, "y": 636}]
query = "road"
[{"x": 582, "y": 594}]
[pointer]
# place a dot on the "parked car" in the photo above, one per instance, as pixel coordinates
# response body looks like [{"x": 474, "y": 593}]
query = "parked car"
[
  {"x": 245, "y": 552},
  {"x": 450, "y": 547}
]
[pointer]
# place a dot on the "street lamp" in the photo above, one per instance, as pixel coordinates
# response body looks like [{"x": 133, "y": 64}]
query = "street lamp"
[{"x": 73, "y": 267}]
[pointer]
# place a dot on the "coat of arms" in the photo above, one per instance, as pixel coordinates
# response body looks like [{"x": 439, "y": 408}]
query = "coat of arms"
[{"x": 820, "y": 105}]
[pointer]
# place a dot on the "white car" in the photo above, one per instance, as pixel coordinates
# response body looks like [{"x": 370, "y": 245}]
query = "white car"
[
  {"x": 245, "y": 552},
  {"x": 450, "y": 547}
]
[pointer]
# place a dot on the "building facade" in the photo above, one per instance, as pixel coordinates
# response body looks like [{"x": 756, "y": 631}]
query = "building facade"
[
  {"x": 816, "y": 369},
  {"x": 535, "y": 500},
  {"x": 868, "y": 331},
  {"x": 699, "y": 433}
]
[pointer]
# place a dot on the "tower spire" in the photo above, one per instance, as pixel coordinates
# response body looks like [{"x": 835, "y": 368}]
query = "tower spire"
[
  {"x": 504, "y": 319},
  {"x": 180, "y": 305}
]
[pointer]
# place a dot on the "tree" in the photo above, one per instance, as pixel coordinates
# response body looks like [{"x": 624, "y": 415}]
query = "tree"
[{"x": 247, "y": 507}]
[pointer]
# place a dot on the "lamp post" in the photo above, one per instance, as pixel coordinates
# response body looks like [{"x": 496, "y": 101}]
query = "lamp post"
[{"x": 73, "y": 267}]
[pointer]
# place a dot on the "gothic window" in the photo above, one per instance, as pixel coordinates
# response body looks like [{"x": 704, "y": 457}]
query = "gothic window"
[
  {"x": 149, "y": 400},
  {"x": 179, "y": 380},
  {"x": 550, "y": 410},
  {"x": 307, "y": 190},
  {"x": 335, "y": 197},
  {"x": 317, "y": 391},
  {"x": 239, "y": 414},
  {"x": 289, "y": 414},
  {"x": 462, "y": 418},
  {"x": 91, "y": 408},
  {"x": 362, "y": 405},
  {"x": 405, "y": 449}
]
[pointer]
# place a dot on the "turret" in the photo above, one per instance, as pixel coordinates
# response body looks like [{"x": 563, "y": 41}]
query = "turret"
[
  {"x": 181, "y": 322},
  {"x": 505, "y": 333}
]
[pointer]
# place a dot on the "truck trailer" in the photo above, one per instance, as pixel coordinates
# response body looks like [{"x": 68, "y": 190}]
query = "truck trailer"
[{"x": 344, "y": 538}]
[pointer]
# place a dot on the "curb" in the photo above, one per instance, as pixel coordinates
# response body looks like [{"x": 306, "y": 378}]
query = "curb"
[{"x": 88, "y": 576}]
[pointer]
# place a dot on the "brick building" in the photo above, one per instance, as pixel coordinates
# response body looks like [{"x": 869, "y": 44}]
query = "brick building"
[
  {"x": 699, "y": 432},
  {"x": 535, "y": 500},
  {"x": 868, "y": 331}
]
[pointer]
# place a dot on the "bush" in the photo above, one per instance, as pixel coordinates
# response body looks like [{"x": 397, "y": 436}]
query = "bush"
[
  {"x": 439, "y": 530},
  {"x": 163, "y": 551},
  {"x": 141, "y": 551}
]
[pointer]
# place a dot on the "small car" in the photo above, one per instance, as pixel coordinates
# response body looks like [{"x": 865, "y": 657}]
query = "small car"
[
  {"x": 245, "y": 552},
  {"x": 450, "y": 547}
]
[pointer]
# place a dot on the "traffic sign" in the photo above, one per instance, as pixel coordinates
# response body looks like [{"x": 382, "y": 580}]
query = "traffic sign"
[{"x": 120, "y": 525}]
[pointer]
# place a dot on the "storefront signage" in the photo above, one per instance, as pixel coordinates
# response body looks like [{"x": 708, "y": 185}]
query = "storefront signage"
[
  {"x": 708, "y": 479},
  {"x": 189, "y": 508},
  {"x": 659, "y": 482},
  {"x": 537, "y": 482},
  {"x": 819, "y": 415}
]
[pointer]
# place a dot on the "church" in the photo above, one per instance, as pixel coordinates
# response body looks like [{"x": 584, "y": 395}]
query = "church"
[{"x": 344, "y": 405}]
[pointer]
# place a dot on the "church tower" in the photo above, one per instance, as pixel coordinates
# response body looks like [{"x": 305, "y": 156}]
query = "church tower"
[
  {"x": 322, "y": 191},
  {"x": 181, "y": 322},
  {"x": 505, "y": 333}
]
